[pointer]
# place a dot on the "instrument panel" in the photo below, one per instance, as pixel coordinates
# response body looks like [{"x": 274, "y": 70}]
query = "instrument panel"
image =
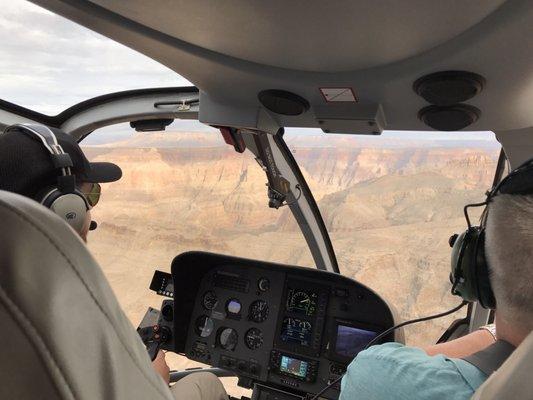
[{"x": 292, "y": 328}]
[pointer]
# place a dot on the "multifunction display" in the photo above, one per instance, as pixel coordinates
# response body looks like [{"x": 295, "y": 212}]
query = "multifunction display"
[
  {"x": 302, "y": 320},
  {"x": 351, "y": 340},
  {"x": 287, "y": 365},
  {"x": 302, "y": 302},
  {"x": 293, "y": 366},
  {"x": 296, "y": 330}
]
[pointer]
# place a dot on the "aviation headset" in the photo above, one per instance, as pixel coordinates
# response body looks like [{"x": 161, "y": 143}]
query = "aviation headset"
[
  {"x": 470, "y": 271},
  {"x": 63, "y": 198}
]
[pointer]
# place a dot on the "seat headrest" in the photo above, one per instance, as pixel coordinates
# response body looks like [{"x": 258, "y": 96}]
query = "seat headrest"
[
  {"x": 513, "y": 379},
  {"x": 64, "y": 335}
]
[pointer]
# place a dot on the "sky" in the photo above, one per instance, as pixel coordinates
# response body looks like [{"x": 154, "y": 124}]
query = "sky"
[{"x": 49, "y": 63}]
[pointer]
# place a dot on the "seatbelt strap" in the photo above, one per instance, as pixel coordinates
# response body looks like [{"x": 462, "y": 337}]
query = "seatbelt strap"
[{"x": 491, "y": 358}]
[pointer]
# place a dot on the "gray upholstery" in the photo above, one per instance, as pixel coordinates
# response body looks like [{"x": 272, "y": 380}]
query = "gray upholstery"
[
  {"x": 63, "y": 334},
  {"x": 513, "y": 379}
]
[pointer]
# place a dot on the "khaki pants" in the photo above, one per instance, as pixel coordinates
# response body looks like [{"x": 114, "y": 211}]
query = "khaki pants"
[{"x": 199, "y": 386}]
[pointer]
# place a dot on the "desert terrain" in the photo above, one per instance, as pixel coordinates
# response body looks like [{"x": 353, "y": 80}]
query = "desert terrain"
[{"x": 389, "y": 206}]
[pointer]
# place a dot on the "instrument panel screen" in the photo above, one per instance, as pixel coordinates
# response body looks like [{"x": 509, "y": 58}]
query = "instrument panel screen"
[
  {"x": 302, "y": 302},
  {"x": 293, "y": 366},
  {"x": 351, "y": 340},
  {"x": 296, "y": 330}
]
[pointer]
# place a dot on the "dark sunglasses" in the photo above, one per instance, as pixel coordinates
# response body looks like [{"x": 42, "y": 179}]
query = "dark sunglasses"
[{"x": 93, "y": 196}]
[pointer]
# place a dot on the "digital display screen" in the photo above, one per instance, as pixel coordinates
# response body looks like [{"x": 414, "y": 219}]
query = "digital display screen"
[
  {"x": 170, "y": 287},
  {"x": 351, "y": 340},
  {"x": 293, "y": 366},
  {"x": 296, "y": 330},
  {"x": 302, "y": 302}
]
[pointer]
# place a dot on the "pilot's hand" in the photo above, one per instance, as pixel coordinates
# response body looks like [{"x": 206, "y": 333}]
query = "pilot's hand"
[{"x": 161, "y": 366}]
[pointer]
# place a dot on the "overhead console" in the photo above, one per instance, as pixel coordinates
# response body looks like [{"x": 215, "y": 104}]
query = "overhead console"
[{"x": 282, "y": 327}]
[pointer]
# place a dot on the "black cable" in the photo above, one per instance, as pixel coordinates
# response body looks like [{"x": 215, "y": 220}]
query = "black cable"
[
  {"x": 386, "y": 332},
  {"x": 296, "y": 199},
  {"x": 414, "y": 321}
]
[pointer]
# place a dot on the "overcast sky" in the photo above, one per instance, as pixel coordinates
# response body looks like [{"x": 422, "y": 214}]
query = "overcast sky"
[{"x": 48, "y": 63}]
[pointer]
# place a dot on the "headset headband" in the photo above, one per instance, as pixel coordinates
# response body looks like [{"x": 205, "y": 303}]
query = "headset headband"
[{"x": 516, "y": 182}]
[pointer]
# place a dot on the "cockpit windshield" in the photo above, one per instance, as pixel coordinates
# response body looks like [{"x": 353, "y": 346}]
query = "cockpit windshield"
[{"x": 390, "y": 204}]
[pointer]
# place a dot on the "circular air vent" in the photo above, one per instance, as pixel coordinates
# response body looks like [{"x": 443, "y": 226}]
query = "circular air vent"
[
  {"x": 449, "y": 87},
  {"x": 283, "y": 102},
  {"x": 449, "y": 118}
]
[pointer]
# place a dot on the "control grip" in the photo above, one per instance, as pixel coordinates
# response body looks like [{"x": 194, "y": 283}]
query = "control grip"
[{"x": 153, "y": 334}]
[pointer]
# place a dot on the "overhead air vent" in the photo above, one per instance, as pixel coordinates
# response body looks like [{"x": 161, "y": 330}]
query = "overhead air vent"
[
  {"x": 449, "y": 118},
  {"x": 283, "y": 102},
  {"x": 446, "y": 88}
]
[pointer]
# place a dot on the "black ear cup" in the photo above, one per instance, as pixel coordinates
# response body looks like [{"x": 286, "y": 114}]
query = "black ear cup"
[
  {"x": 72, "y": 207},
  {"x": 483, "y": 289},
  {"x": 470, "y": 272}
]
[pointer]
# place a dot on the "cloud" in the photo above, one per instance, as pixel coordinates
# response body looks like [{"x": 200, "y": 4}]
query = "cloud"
[{"x": 49, "y": 63}]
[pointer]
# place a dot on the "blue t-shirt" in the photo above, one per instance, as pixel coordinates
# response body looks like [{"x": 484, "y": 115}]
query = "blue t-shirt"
[{"x": 394, "y": 371}]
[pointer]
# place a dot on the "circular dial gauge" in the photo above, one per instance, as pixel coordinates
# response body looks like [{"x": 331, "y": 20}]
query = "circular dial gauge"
[
  {"x": 258, "y": 311},
  {"x": 210, "y": 300},
  {"x": 204, "y": 326},
  {"x": 227, "y": 338},
  {"x": 263, "y": 284},
  {"x": 253, "y": 338},
  {"x": 302, "y": 302}
]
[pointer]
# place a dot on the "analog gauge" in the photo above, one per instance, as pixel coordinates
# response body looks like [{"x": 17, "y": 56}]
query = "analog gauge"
[
  {"x": 302, "y": 302},
  {"x": 258, "y": 311},
  {"x": 253, "y": 338},
  {"x": 233, "y": 307},
  {"x": 204, "y": 326},
  {"x": 210, "y": 300},
  {"x": 263, "y": 284},
  {"x": 227, "y": 338}
]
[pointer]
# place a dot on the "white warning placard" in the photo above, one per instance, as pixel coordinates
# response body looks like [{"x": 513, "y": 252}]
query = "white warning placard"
[{"x": 338, "y": 94}]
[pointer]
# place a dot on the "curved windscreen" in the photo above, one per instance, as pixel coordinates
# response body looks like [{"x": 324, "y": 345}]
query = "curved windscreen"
[{"x": 390, "y": 204}]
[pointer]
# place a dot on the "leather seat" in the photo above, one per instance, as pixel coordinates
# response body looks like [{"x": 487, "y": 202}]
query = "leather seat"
[
  {"x": 513, "y": 378},
  {"x": 63, "y": 334}
]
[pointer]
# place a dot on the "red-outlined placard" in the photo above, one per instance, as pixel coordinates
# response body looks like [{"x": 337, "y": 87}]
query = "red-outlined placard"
[{"x": 338, "y": 94}]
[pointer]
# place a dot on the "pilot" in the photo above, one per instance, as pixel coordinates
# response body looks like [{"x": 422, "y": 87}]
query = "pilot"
[
  {"x": 395, "y": 371},
  {"x": 26, "y": 168}
]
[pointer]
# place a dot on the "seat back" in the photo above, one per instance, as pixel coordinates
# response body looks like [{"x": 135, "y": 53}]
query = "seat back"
[
  {"x": 513, "y": 378},
  {"x": 63, "y": 334}
]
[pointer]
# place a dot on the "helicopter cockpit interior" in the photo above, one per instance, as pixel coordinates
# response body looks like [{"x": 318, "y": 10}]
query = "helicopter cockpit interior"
[{"x": 354, "y": 68}]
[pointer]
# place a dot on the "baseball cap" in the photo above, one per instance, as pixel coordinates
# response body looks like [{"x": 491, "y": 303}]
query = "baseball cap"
[{"x": 26, "y": 166}]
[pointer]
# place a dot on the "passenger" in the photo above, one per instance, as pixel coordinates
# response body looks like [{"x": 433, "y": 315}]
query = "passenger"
[
  {"x": 394, "y": 371},
  {"x": 26, "y": 168}
]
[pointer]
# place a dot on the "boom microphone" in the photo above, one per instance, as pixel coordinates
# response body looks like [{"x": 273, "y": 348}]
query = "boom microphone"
[{"x": 93, "y": 226}]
